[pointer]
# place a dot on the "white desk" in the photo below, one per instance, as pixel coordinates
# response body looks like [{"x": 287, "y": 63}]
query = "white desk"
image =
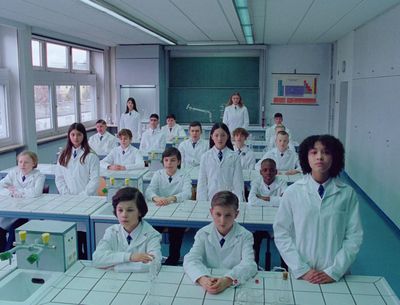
[
  {"x": 74, "y": 208},
  {"x": 187, "y": 214},
  {"x": 82, "y": 284}
]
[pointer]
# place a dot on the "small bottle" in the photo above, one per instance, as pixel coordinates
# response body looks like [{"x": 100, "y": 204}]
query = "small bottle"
[
  {"x": 111, "y": 190},
  {"x": 126, "y": 183},
  {"x": 284, "y": 294}
]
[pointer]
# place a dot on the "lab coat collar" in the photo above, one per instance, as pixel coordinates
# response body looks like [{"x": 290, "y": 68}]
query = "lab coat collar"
[
  {"x": 231, "y": 239},
  {"x": 142, "y": 235},
  {"x": 225, "y": 152},
  {"x": 332, "y": 186}
]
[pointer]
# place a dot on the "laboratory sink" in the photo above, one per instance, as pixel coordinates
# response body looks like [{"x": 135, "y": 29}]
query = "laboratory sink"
[{"x": 24, "y": 287}]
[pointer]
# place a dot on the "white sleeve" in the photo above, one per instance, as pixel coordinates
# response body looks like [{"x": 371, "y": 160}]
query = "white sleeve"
[
  {"x": 193, "y": 262},
  {"x": 137, "y": 163},
  {"x": 225, "y": 118},
  {"x": 4, "y": 184},
  {"x": 94, "y": 175},
  {"x": 61, "y": 184},
  {"x": 202, "y": 183},
  {"x": 181, "y": 148},
  {"x": 154, "y": 187},
  {"x": 37, "y": 189},
  {"x": 108, "y": 160},
  {"x": 139, "y": 127},
  {"x": 246, "y": 118},
  {"x": 121, "y": 122},
  {"x": 186, "y": 191},
  {"x": 238, "y": 182},
  {"x": 253, "y": 200}
]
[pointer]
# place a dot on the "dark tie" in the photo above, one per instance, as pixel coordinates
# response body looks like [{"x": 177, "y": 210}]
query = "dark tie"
[
  {"x": 170, "y": 129},
  {"x": 239, "y": 151},
  {"x": 269, "y": 187},
  {"x": 194, "y": 145},
  {"x": 281, "y": 154},
  {"x": 321, "y": 190},
  {"x": 23, "y": 178},
  {"x": 128, "y": 239},
  {"x": 75, "y": 153},
  {"x": 220, "y": 155},
  {"x": 123, "y": 152},
  {"x": 101, "y": 138},
  {"x": 235, "y": 107},
  {"x": 170, "y": 179},
  {"x": 222, "y": 241},
  {"x": 130, "y": 113}
]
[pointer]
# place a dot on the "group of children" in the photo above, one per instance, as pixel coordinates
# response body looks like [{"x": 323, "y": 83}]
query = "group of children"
[{"x": 317, "y": 228}]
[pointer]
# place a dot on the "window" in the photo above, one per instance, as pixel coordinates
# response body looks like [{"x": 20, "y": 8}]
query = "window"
[
  {"x": 57, "y": 56},
  {"x": 3, "y": 113},
  {"x": 37, "y": 53},
  {"x": 65, "y": 97},
  {"x": 80, "y": 60},
  {"x": 43, "y": 109},
  {"x": 87, "y": 103}
]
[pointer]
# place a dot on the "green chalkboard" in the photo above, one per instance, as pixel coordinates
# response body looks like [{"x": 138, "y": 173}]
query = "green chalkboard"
[{"x": 208, "y": 82}]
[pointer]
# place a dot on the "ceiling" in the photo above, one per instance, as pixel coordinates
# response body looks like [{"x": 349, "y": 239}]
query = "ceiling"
[{"x": 198, "y": 21}]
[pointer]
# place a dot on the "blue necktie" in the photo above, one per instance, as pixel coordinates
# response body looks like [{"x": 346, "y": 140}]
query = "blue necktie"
[
  {"x": 101, "y": 138},
  {"x": 193, "y": 144},
  {"x": 75, "y": 153},
  {"x": 222, "y": 241},
  {"x": 128, "y": 239},
  {"x": 130, "y": 113},
  {"x": 321, "y": 190},
  {"x": 23, "y": 178},
  {"x": 170, "y": 179},
  {"x": 239, "y": 151},
  {"x": 220, "y": 155},
  {"x": 123, "y": 152}
]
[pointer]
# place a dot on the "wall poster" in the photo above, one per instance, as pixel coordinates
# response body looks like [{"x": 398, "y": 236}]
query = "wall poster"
[{"x": 294, "y": 88}]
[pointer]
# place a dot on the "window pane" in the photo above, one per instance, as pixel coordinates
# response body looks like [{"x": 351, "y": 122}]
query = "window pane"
[
  {"x": 65, "y": 105},
  {"x": 36, "y": 53},
  {"x": 42, "y": 108},
  {"x": 80, "y": 59},
  {"x": 57, "y": 56},
  {"x": 3, "y": 113},
  {"x": 88, "y": 105}
]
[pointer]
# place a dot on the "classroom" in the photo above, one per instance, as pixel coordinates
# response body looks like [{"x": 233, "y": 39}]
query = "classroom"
[{"x": 108, "y": 94}]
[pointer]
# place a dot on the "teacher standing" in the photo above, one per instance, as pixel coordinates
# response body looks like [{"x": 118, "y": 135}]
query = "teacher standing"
[
  {"x": 236, "y": 114},
  {"x": 131, "y": 119}
]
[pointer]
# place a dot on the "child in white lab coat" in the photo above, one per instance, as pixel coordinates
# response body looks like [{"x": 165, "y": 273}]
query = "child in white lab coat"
[
  {"x": 247, "y": 157},
  {"x": 172, "y": 129},
  {"x": 133, "y": 244},
  {"x": 102, "y": 142},
  {"x": 77, "y": 172},
  {"x": 167, "y": 186},
  {"x": 220, "y": 168},
  {"x": 222, "y": 244},
  {"x": 153, "y": 139},
  {"x": 125, "y": 156},
  {"x": 24, "y": 181},
  {"x": 317, "y": 227},
  {"x": 131, "y": 119},
  {"x": 193, "y": 148}
]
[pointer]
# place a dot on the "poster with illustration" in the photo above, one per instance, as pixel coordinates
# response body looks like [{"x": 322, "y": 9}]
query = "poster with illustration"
[{"x": 295, "y": 89}]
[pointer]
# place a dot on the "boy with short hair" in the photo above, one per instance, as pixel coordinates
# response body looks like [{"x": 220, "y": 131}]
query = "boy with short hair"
[
  {"x": 270, "y": 131},
  {"x": 286, "y": 160},
  {"x": 125, "y": 156},
  {"x": 221, "y": 244},
  {"x": 247, "y": 157},
  {"x": 193, "y": 148},
  {"x": 102, "y": 142},
  {"x": 172, "y": 129},
  {"x": 153, "y": 139},
  {"x": 170, "y": 185}
]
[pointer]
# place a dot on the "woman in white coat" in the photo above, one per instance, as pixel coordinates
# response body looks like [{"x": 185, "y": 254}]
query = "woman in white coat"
[
  {"x": 131, "y": 119},
  {"x": 317, "y": 227},
  {"x": 236, "y": 114}
]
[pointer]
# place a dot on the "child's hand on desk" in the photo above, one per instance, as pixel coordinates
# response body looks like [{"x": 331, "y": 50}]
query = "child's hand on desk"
[
  {"x": 116, "y": 167},
  {"x": 215, "y": 285},
  {"x": 160, "y": 201},
  {"x": 317, "y": 277},
  {"x": 141, "y": 257},
  {"x": 265, "y": 198}
]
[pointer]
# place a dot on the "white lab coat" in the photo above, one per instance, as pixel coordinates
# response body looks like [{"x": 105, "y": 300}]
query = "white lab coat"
[
  {"x": 105, "y": 145},
  {"x": 270, "y": 136},
  {"x": 215, "y": 176},
  {"x": 113, "y": 248},
  {"x": 180, "y": 186},
  {"x": 235, "y": 116},
  {"x": 288, "y": 161},
  {"x": 275, "y": 191},
  {"x": 324, "y": 234},
  {"x": 132, "y": 121},
  {"x": 31, "y": 187},
  {"x": 131, "y": 159},
  {"x": 176, "y": 131},
  {"x": 77, "y": 178},
  {"x": 191, "y": 156},
  {"x": 247, "y": 157},
  {"x": 152, "y": 140},
  {"x": 236, "y": 255}
]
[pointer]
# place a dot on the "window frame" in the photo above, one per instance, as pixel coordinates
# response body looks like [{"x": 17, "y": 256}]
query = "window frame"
[
  {"x": 5, "y": 81},
  {"x": 88, "y": 60}
]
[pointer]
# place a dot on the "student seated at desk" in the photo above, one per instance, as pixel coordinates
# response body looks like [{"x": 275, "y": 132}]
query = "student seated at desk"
[
  {"x": 266, "y": 190},
  {"x": 287, "y": 161},
  {"x": 133, "y": 244},
  {"x": 222, "y": 244},
  {"x": 172, "y": 129},
  {"x": 102, "y": 142},
  {"x": 247, "y": 157},
  {"x": 272, "y": 140},
  {"x": 167, "y": 186},
  {"x": 270, "y": 133},
  {"x": 78, "y": 173},
  {"x": 220, "y": 168},
  {"x": 24, "y": 181},
  {"x": 317, "y": 227},
  {"x": 152, "y": 139},
  {"x": 125, "y": 156},
  {"x": 193, "y": 148}
]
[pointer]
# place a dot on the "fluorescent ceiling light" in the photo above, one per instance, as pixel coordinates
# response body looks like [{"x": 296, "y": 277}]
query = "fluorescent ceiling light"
[
  {"x": 242, "y": 10},
  {"x": 127, "y": 21},
  {"x": 211, "y": 43}
]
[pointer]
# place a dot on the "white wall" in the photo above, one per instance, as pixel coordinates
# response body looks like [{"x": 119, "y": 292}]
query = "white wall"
[
  {"x": 301, "y": 120},
  {"x": 373, "y": 118}
]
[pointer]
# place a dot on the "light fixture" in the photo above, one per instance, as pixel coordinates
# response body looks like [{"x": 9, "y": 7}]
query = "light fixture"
[
  {"x": 112, "y": 11},
  {"x": 242, "y": 10}
]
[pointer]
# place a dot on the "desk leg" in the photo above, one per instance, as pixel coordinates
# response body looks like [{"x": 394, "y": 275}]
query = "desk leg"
[{"x": 88, "y": 239}]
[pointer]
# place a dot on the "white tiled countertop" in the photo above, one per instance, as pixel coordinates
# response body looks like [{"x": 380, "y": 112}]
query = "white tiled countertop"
[{"x": 82, "y": 284}]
